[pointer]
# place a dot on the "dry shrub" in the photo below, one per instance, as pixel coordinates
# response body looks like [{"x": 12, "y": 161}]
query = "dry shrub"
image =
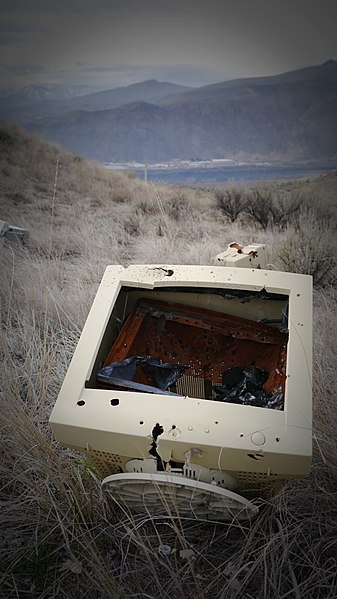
[
  {"x": 269, "y": 209},
  {"x": 231, "y": 202},
  {"x": 311, "y": 249},
  {"x": 178, "y": 206}
]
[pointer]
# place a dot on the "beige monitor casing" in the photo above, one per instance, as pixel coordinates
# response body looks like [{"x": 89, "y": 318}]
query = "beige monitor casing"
[{"x": 252, "y": 444}]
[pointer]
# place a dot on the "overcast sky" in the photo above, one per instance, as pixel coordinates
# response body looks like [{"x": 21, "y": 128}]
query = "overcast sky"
[{"x": 110, "y": 43}]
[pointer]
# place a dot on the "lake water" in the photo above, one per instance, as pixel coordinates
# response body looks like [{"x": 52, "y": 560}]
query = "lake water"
[{"x": 196, "y": 176}]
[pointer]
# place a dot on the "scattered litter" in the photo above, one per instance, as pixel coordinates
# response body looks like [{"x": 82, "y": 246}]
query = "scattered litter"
[
  {"x": 166, "y": 550},
  {"x": 187, "y": 553},
  {"x": 246, "y": 386},
  {"x": 72, "y": 565},
  {"x": 13, "y": 233},
  {"x": 250, "y": 256},
  {"x": 3, "y": 228}
]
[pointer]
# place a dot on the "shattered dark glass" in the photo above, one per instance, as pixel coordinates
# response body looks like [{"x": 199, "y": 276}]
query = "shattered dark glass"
[
  {"x": 122, "y": 373},
  {"x": 125, "y": 369},
  {"x": 244, "y": 386},
  {"x": 164, "y": 375}
]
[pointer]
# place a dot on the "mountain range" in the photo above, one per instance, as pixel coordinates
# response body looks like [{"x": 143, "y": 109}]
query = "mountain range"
[
  {"x": 13, "y": 99},
  {"x": 292, "y": 116},
  {"x": 33, "y": 102}
]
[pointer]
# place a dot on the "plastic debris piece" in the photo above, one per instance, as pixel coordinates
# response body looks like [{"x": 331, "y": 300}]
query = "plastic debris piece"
[
  {"x": 13, "y": 233},
  {"x": 166, "y": 550},
  {"x": 187, "y": 553},
  {"x": 71, "y": 565}
]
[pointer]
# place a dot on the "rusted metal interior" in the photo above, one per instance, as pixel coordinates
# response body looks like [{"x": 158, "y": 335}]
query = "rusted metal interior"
[{"x": 208, "y": 342}]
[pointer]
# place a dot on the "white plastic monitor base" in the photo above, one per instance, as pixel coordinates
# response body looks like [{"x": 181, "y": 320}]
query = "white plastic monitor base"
[{"x": 162, "y": 493}]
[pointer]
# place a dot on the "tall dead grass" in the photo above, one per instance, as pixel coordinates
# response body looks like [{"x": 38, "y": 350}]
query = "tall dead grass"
[{"x": 60, "y": 536}]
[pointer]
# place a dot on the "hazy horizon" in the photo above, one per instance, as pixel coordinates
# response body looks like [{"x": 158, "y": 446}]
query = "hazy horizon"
[{"x": 109, "y": 44}]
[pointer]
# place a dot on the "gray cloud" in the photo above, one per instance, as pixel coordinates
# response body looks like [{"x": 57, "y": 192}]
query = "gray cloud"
[
  {"x": 117, "y": 42},
  {"x": 12, "y": 32},
  {"x": 23, "y": 69},
  {"x": 81, "y": 7}
]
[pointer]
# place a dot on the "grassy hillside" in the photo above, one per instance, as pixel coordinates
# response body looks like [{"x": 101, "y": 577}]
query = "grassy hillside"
[{"x": 61, "y": 537}]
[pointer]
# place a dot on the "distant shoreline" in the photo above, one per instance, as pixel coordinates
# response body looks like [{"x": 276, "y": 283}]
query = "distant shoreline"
[{"x": 216, "y": 171}]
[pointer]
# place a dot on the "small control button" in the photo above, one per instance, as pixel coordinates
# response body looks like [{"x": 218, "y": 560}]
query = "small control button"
[{"x": 258, "y": 438}]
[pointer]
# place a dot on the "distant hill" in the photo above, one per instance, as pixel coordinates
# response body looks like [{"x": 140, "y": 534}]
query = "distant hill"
[
  {"x": 34, "y": 102},
  {"x": 12, "y": 99},
  {"x": 292, "y": 116}
]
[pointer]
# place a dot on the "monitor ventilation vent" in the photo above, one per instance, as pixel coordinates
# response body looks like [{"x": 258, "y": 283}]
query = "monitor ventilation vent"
[
  {"x": 107, "y": 463},
  {"x": 256, "y": 476}
]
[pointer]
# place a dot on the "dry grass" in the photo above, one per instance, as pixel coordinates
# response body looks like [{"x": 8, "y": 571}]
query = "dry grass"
[{"x": 60, "y": 536}]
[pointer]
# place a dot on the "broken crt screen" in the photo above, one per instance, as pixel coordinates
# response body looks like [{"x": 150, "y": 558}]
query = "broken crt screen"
[{"x": 213, "y": 344}]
